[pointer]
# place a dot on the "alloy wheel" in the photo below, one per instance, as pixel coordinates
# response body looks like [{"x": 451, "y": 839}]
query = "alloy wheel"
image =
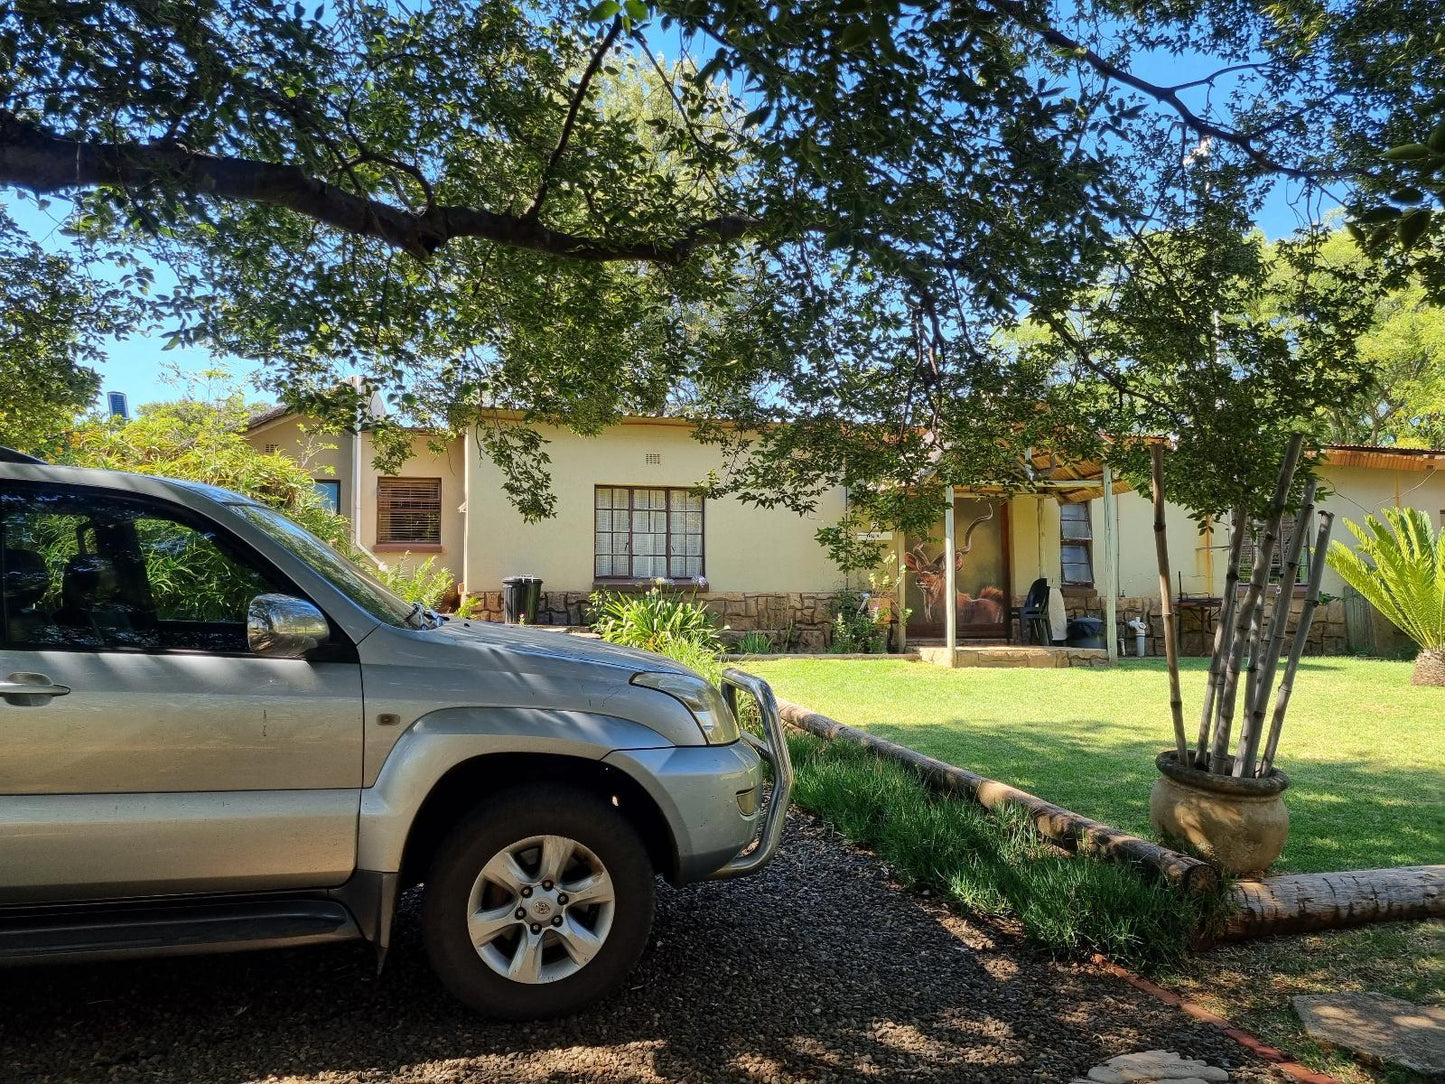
[{"x": 540, "y": 909}]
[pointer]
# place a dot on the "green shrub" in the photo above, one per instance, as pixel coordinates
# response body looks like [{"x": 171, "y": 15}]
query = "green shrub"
[
  {"x": 854, "y": 630},
  {"x": 425, "y": 583},
  {"x": 754, "y": 643},
  {"x": 1400, "y": 568},
  {"x": 654, "y": 620}
]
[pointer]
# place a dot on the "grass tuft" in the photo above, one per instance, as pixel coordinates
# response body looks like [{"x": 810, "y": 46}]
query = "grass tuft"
[{"x": 993, "y": 865}]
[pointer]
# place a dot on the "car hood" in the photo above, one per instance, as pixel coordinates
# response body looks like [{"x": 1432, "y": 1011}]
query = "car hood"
[{"x": 562, "y": 647}]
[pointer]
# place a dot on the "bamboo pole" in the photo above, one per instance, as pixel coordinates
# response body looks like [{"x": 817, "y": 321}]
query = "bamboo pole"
[
  {"x": 1111, "y": 569},
  {"x": 1249, "y": 735},
  {"x": 1166, "y": 600},
  {"x": 1053, "y": 821},
  {"x": 1238, "y": 642},
  {"x": 1222, "y": 638},
  {"x": 1266, "y": 554},
  {"x": 1301, "y": 638},
  {"x": 950, "y": 584},
  {"x": 1246, "y": 626}
]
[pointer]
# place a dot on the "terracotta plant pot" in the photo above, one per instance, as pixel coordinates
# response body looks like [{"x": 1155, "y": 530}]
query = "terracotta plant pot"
[{"x": 1239, "y": 823}]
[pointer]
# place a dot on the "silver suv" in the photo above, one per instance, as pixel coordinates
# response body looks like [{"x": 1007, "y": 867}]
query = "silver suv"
[{"x": 218, "y": 734}]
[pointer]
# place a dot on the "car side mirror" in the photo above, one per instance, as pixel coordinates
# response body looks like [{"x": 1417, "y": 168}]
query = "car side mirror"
[{"x": 283, "y": 627}]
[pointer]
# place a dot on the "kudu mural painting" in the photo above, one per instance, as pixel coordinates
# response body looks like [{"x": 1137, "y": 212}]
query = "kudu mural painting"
[{"x": 990, "y": 608}]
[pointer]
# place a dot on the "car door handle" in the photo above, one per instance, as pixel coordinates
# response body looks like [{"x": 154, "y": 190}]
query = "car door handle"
[{"x": 30, "y": 690}]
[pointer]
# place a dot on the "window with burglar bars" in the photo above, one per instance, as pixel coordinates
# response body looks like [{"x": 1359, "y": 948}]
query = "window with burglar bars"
[
  {"x": 1252, "y": 540},
  {"x": 409, "y": 511},
  {"x": 645, "y": 532},
  {"x": 1076, "y": 548}
]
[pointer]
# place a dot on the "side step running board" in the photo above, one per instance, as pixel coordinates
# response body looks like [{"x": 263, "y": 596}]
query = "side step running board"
[{"x": 93, "y": 932}]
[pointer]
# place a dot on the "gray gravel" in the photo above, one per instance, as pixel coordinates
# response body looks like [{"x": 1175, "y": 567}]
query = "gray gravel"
[{"x": 820, "y": 970}]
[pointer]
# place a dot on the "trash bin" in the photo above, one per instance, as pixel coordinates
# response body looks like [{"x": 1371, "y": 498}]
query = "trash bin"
[
  {"x": 520, "y": 597},
  {"x": 1086, "y": 632}
]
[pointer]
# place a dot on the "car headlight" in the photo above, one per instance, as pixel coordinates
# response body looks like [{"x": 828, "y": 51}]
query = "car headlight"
[{"x": 699, "y": 696}]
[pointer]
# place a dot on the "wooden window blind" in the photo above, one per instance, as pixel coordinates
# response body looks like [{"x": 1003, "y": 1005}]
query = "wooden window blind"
[
  {"x": 409, "y": 510},
  {"x": 644, "y": 532},
  {"x": 1076, "y": 545}
]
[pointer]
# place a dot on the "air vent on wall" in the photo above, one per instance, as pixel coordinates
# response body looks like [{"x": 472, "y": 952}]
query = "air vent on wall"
[{"x": 653, "y": 459}]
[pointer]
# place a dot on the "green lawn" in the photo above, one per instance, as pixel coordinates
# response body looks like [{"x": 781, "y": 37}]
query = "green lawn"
[{"x": 1364, "y": 749}]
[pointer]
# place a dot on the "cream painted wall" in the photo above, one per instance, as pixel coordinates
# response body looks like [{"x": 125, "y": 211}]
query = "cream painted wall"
[
  {"x": 326, "y": 455},
  {"x": 311, "y": 448},
  {"x": 1356, "y": 491},
  {"x": 758, "y": 550},
  {"x": 745, "y": 549},
  {"x": 1138, "y": 562},
  {"x": 1359, "y": 491}
]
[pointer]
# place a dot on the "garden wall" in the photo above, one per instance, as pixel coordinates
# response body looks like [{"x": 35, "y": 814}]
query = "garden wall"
[{"x": 801, "y": 615}]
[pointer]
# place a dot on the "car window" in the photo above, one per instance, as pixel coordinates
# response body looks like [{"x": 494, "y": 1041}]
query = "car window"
[
  {"x": 191, "y": 578},
  {"x": 336, "y": 569},
  {"x": 110, "y": 572}
]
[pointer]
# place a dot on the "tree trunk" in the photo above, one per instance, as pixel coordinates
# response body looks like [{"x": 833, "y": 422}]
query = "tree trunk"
[
  {"x": 1429, "y": 667},
  {"x": 1166, "y": 602}
]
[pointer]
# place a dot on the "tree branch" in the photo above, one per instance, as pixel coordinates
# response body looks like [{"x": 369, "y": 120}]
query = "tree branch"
[
  {"x": 1013, "y": 9},
  {"x": 573, "y": 108},
  {"x": 43, "y": 162}
]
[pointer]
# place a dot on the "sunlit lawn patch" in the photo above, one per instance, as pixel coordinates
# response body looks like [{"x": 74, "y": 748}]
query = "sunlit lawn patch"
[{"x": 1364, "y": 749}]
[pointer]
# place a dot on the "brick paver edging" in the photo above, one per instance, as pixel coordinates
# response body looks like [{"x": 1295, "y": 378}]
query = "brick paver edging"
[{"x": 1255, "y": 1045}]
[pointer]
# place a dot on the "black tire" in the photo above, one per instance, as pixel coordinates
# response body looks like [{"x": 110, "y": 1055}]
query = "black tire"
[{"x": 518, "y": 814}]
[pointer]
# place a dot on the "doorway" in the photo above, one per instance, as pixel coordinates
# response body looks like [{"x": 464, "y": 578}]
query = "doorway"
[{"x": 981, "y": 526}]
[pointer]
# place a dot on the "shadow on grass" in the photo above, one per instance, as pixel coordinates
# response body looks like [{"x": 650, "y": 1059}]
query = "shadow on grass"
[{"x": 1344, "y": 813}]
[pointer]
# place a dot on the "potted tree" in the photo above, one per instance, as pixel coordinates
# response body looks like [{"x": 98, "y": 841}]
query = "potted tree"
[
  {"x": 1400, "y": 569},
  {"x": 1230, "y": 805}
]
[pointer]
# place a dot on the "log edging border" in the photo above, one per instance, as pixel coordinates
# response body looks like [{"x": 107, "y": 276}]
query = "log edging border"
[
  {"x": 1290, "y": 903},
  {"x": 1054, "y": 822}
]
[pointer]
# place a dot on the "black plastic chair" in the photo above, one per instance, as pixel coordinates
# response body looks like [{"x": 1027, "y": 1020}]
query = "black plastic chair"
[{"x": 1034, "y": 615}]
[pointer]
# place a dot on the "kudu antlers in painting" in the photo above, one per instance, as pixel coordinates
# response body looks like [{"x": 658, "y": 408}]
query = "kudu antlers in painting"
[{"x": 932, "y": 579}]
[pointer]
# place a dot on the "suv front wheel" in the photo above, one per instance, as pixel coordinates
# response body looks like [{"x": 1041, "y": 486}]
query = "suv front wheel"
[{"x": 539, "y": 903}]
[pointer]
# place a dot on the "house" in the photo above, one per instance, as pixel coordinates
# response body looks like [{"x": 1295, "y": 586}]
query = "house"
[{"x": 625, "y": 514}]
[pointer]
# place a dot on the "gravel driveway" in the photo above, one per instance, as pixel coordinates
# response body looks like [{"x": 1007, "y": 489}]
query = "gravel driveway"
[{"x": 817, "y": 970}]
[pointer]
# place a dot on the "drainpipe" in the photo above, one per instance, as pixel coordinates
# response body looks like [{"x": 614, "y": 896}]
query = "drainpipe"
[
  {"x": 1139, "y": 629},
  {"x": 356, "y": 485}
]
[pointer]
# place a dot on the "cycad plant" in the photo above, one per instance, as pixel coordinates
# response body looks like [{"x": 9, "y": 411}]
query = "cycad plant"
[{"x": 1400, "y": 569}]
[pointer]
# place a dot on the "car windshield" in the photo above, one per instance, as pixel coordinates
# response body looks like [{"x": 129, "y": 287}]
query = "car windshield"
[{"x": 338, "y": 571}]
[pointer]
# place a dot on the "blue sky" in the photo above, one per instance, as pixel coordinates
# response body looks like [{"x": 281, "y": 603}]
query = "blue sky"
[{"x": 138, "y": 366}]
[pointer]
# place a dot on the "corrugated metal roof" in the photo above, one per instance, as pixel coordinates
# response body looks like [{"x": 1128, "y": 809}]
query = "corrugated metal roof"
[{"x": 1384, "y": 458}]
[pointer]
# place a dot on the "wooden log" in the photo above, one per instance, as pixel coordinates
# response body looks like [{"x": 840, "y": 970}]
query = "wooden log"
[
  {"x": 1054, "y": 822},
  {"x": 1331, "y": 901},
  {"x": 1166, "y": 601}
]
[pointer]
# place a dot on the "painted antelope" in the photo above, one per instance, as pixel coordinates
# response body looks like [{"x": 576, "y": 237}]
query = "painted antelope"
[{"x": 932, "y": 577}]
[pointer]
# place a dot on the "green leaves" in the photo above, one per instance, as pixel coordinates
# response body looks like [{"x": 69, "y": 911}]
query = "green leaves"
[
  {"x": 1400, "y": 568},
  {"x": 1407, "y": 152},
  {"x": 1413, "y": 226}
]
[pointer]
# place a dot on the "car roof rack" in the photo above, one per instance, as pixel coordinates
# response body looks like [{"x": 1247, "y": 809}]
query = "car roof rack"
[{"x": 10, "y": 455}]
